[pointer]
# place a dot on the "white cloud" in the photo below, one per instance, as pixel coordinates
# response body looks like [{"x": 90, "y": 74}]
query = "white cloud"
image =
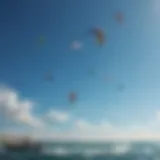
[
  {"x": 76, "y": 45},
  {"x": 16, "y": 109},
  {"x": 58, "y": 116},
  {"x": 96, "y": 132},
  {"x": 19, "y": 110},
  {"x": 89, "y": 127},
  {"x": 104, "y": 131},
  {"x": 82, "y": 124}
]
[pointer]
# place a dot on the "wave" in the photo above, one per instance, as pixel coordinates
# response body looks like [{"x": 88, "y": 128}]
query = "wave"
[
  {"x": 91, "y": 150},
  {"x": 57, "y": 151},
  {"x": 138, "y": 151},
  {"x": 85, "y": 150}
]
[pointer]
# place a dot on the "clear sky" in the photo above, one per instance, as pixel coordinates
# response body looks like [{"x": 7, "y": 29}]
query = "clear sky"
[{"x": 130, "y": 56}]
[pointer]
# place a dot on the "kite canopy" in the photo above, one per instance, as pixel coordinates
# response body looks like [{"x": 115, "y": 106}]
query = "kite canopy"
[
  {"x": 120, "y": 87},
  {"x": 99, "y": 34},
  {"x": 76, "y": 45},
  {"x": 41, "y": 40},
  {"x": 119, "y": 17},
  {"x": 108, "y": 78},
  {"x": 92, "y": 72},
  {"x": 49, "y": 77},
  {"x": 72, "y": 97}
]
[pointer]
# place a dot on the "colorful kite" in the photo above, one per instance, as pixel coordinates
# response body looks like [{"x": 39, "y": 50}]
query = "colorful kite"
[
  {"x": 99, "y": 34},
  {"x": 72, "y": 97},
  {"x": 49, "y": 77},
  {"x": 92, "y": 72},
  {"x": 119, "y": 17},
  {"x": 76, "y": 45},
  {"x": 108, "y": 78},
  {"x": 41, "y": 40},
  {"x": 120, "y": 87}
]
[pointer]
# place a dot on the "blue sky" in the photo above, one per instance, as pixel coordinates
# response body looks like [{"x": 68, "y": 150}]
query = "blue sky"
[{"x": 130, "y": 56}]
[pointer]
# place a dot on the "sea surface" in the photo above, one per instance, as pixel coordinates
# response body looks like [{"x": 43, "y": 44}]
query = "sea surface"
[{"x": 91, "y": 151}]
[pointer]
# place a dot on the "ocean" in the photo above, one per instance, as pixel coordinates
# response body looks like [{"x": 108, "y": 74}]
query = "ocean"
[{"x": 91, "y": 151}]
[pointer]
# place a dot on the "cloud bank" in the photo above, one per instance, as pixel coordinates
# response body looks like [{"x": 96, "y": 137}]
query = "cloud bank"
[
  {"x": 20, "y": 110},
  {"x": 57, "y": 116}
]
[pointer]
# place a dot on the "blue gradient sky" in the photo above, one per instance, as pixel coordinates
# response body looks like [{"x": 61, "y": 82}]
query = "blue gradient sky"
[{"x": 131, "y": 55}]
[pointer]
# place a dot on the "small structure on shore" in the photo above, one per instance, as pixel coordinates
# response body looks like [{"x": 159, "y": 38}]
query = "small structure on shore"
[{"x": 22, "y": 145}]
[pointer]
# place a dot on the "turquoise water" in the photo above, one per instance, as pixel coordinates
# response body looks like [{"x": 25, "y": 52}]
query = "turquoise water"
[{"x": 91, "y": 151}]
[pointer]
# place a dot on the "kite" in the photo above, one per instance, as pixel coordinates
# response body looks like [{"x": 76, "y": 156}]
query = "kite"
[
  {"x": 41, "y": 40},
  {"x": 119, "y": 17},
  {"x": 92, "y": 72},
  {"x": 120, "y": 87},
  {"x": 72, "y": 97},
  {"x": 49, "y": 77},
  {"x": 76, "y": 45},
  {"x": 99, "y": 34},
  {"x": 108, "y": 78}
]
